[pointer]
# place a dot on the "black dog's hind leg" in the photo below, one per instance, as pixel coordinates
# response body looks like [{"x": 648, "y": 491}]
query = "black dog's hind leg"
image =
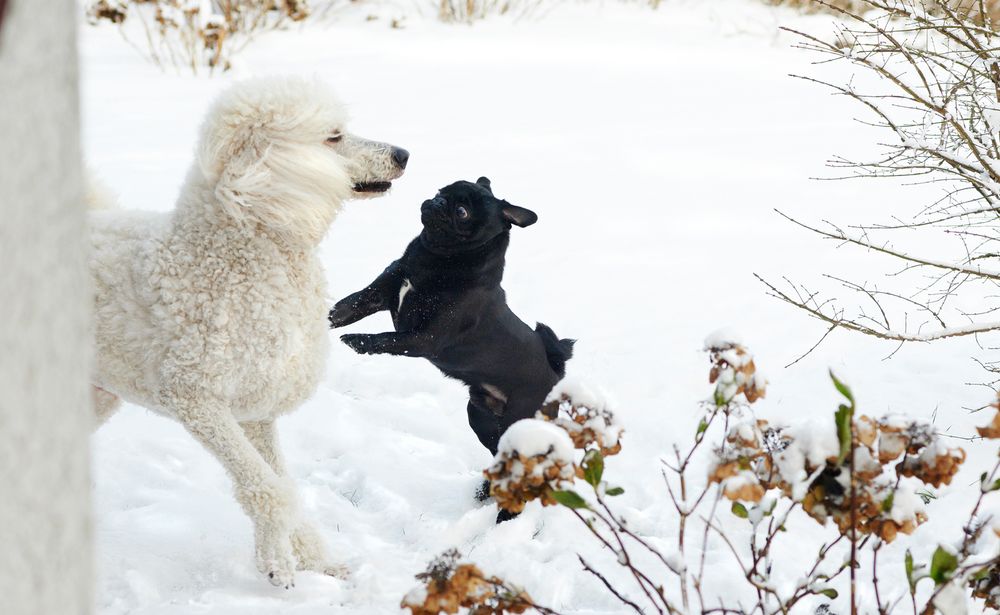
[
  {"x": 484, "y": 422},
  {"x": 371, "y": 299}
]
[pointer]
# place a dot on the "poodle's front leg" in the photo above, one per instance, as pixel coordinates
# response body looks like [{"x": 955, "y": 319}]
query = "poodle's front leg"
[
  {"x": 268, "y": 499},
  {"x": 307, "y": 543}
]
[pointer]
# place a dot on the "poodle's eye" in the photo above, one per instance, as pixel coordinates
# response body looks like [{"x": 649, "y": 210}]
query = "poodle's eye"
[
  {"x": 462, "y": 213},
  {"x": 334, "y": 139}
]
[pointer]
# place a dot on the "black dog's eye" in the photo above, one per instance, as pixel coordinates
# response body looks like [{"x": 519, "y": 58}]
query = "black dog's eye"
[
  {"x": 334, "y": 139},
  {"x": 462, "y": 213}
]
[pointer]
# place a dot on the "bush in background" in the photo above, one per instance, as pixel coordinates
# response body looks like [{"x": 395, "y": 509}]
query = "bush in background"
[{"x": 194, "y": 34}]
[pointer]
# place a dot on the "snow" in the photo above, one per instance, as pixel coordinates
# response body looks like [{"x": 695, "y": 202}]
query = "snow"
[
  {"x": 654, "y": 146},
  {"x": 723, "y": 338},
  {"x": 906, "y": 504},
  {"x": 532, "y": 437}
]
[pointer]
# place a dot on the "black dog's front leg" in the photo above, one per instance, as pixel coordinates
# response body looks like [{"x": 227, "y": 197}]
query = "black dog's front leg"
[
  {"x": 367, "y": 301},
  {"x": 406, "y": 343}
]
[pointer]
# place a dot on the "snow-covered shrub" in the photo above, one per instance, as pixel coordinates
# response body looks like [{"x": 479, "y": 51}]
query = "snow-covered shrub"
[
  {"x": 867, "y": 480},
  {"x": 585, "y": 416},
  {"x": 865, "y": 494},
  {"x": 534, "y": 461},
  {"x": 190, "y": 34}
]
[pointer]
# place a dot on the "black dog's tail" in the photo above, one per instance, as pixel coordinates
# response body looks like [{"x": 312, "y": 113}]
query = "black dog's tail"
[{"x": 557, "y": 351}]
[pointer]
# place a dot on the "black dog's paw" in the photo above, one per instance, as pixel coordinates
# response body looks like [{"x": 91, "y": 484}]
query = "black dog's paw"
[
  {"x": 358, "y": 342},
  {"x": 506, "y": 515},
  {"x": 339, "y": 315},
  {"x": 483, "y": 491}
]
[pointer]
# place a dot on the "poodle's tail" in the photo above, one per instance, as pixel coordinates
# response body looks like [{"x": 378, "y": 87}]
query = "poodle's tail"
[
  {"x": 96, "y": 195},
  {"x": 557, "y": 351}
]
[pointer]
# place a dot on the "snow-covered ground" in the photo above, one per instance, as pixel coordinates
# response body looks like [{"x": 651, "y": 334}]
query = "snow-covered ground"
[{"x": 653, "y": 146}]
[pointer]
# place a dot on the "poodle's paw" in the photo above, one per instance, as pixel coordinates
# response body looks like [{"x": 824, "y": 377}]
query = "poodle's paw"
[
  {"x": 358, "y": 342},
  {"x": 276, "y": 558},
  {"x": 310, "y": 552},
  {"x": 281, "y": 578},
  {"x": 337, "y": 571}
]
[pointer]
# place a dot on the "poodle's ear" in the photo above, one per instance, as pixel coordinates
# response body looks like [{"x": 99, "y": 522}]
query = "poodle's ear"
[
  {"x": 237, "y": 158},
  {"x": 518, "y": 216},
  {"x": 485, "y": 183}
]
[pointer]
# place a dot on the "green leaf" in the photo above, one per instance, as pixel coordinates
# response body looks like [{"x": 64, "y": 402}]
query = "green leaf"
[
  {"x": 614, "y": 491},
  {"x": 843, "y": 388},
  {"x": 740, "y": 510},
  {"x": 702, "y": 426},
  {"x": 982, "y": 573},
  {"x": 943, "y": 565},
  {"x": 720, "y": 401},
  {"x": 844, "y": 418},
  {"x": 887, "y": 503},
  {"x": 830, "y": 593},
  {"x": 570, "y": 499},
  {"x": 593, "y": 467},
  {"x": 908, "y": 564}
]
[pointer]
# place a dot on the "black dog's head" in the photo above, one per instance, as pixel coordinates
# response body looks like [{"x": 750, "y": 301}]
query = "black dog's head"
[{"x": 466, "y": 215}]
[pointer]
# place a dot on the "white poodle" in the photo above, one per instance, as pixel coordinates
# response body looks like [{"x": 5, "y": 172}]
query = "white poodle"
[{"x": 215, "y": 314}]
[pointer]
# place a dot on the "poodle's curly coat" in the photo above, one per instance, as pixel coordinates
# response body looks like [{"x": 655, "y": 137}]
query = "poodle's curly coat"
[{"x": 214, "y": 314}]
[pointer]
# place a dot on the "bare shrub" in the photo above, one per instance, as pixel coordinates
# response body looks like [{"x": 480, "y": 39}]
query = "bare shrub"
[
  {"x": 935, "y": 90},
  {"x": 191, "y": 34},
  {"x": 971, "y": 9}
]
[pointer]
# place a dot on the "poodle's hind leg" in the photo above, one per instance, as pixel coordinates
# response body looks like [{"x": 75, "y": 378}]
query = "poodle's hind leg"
[
  {"x": 105, "y": 405},
  {"x": 268, "y": 499},
  {"x": 310, "y": 550}
]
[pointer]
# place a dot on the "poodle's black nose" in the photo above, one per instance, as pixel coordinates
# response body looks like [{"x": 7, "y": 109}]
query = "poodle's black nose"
[{"x": 400, "y": 156}]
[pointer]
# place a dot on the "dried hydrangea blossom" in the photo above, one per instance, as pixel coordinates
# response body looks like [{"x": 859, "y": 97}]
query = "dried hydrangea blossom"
[
  {"x": 534, "y": 458},
  {"x": 987, "y": 587},
  {"x": 739, "y": 464},
  {"x": 805, "y": 465},
  {"x": 993, "y": 429},
  {"x": 733, "y": 371},
  {"x": 590, "y": 428},
  {"x": 935, "y": 464},
  {"x": 448, "y": 585}
]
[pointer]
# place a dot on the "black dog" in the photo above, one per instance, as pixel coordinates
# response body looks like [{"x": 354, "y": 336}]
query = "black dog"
[{"x": 448, "y": 307}]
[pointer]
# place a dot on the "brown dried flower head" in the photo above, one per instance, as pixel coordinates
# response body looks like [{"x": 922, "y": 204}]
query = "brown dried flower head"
[
  {"x": 733, "y": 372},
  {"x": 747, "y": 466},
  {"x": 936, "y": 465},
  {"x": 448, "y": 585},
  {"x": 546, "y": 465},
  {"x": 590, "y": 425},
  {"x": 993, "y": 429}
]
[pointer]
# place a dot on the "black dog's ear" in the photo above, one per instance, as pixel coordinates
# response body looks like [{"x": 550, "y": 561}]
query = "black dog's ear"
[
  {"x": 518, "y": 215},
  {"x": 485, "y": 183}
]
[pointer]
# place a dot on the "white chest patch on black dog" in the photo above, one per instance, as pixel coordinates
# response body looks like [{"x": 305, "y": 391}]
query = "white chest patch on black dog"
[
  {"x": 495, "y": 393},
  {"x": 405, "y": 288}
]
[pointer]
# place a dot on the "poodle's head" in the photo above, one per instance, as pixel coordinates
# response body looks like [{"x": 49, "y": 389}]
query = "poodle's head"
[{"x": 277, "y": 152}]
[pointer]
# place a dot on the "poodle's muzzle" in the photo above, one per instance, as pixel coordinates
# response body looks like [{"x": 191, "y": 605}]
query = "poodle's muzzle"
[{"x": 373, "y": 164}]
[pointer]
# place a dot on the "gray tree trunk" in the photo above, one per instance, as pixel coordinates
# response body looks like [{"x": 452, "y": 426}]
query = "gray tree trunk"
[{"x": 45, "y": 306}]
